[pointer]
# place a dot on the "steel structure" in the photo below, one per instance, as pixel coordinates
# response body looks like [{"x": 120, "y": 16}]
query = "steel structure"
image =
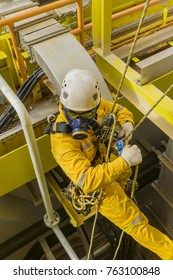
[{"x": 40, "y": 38}]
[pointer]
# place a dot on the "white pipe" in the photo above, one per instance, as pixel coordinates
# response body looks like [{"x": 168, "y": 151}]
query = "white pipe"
[{"x": 36, "y": 161}]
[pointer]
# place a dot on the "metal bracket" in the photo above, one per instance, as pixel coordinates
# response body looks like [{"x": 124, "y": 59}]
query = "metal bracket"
[
  {"x": 166, "y": 161},
  {"x": 162, "y": 193},
  {"x": 53, "y": 223},
  {"x": 161, "y": 222},
  {"x": 156, "y": 65}
]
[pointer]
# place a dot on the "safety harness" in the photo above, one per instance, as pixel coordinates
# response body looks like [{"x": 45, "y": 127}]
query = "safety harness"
[{"x": 81, "y": 202}]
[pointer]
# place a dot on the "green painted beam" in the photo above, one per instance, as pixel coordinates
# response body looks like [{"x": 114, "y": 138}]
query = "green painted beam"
[{"x": 16, "y": 166}]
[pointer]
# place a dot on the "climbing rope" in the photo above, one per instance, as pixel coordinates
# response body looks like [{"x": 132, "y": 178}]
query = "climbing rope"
[
  {"x": 93, "y": 227},
  {"x": 132, "y": 197},
  {"x": 106, "y": 158},
  {"x": 150, "y": 110},
  {"x": 114, "y": 123},
  {"x": 111, "y": 137},
  {"x": 131, "y": 52},
  {"x": 137, "y": 167},
  {"x": 81, "y": 201}
]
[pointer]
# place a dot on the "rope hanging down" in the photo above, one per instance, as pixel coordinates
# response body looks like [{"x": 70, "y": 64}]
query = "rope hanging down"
[
  {"x": 114, "y": 122},
  {"x": 131, "y": 52},
  {"x": 132, "y": 197},
  {"x": 111, "y": 134},
  {"x": 151, "y": 109}
]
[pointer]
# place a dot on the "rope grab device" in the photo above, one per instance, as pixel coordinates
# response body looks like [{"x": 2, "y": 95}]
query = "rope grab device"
[{"x": 105, "y": 131}]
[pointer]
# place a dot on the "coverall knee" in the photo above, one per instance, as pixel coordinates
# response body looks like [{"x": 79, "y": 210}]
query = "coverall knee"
[{"x": 123, "y": 212}]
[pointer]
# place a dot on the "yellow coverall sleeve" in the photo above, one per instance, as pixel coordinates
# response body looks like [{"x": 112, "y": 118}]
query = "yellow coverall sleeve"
[
  {"x": 115, "y": 205},
  {"x": 68, "y": 154},
  {"x": 122, "y": 114}
]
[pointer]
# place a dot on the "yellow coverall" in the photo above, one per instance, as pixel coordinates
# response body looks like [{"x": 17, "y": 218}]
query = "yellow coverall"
[{"x": 75, "y": 157}]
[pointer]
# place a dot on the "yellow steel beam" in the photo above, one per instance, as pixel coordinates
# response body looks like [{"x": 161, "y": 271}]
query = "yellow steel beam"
[
  {"x": 12, "y": 76},
  {"x": 17, "y": 168},
  {"x": 96, "y": 30},
  {"x": 142, "y": 97},
  {"x": 30, "y": 69},
  {"x": 102, "y": 24},
  {"x": 165, "y": 15}
]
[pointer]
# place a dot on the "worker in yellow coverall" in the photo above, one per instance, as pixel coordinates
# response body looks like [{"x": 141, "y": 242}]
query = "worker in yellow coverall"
[{"x": 74, "y": 146}]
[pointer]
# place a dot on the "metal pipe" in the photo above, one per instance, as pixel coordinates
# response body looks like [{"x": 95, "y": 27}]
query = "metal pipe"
[
  {"x": 27, "y": 235},
  {"x": 51, "y": 218},
  {"x": 36, "y": 252},
  {"x": 78, "y": 31},
  {"x": 30, "y": 139},
  {"x": 134, "y": 9},
  {"x": 80, "y": 18},
  {"x": 35, "y": 11},
  {"x": 17, "y": 52},
  {"x": 39, "y": 10},
  {"x": 118, "y": 15}
]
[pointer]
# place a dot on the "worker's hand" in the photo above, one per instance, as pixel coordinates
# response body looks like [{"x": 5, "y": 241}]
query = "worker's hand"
[
  {"x": 132, "y": 155},
  {"x": 125, "y": 130}
]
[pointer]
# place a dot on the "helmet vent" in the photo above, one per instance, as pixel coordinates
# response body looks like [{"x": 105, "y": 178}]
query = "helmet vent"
[
  {"x": 80, "y": 90},
  {"x": 95, "y": 96},
  {"x": 65, "y": 95}
]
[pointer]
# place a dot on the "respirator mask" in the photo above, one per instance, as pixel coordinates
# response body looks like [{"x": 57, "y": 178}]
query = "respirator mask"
[{"x": 81, "y": 122}]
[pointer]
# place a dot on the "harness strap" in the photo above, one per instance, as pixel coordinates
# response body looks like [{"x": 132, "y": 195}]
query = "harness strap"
[{"x": 61, "y": 127}]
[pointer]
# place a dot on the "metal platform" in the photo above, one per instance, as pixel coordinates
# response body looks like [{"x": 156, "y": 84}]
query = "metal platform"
[{"x": 145, "y": 43}]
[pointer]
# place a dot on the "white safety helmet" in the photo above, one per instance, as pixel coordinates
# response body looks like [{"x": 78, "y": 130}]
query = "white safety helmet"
[{"x": 80, "y": 91}]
